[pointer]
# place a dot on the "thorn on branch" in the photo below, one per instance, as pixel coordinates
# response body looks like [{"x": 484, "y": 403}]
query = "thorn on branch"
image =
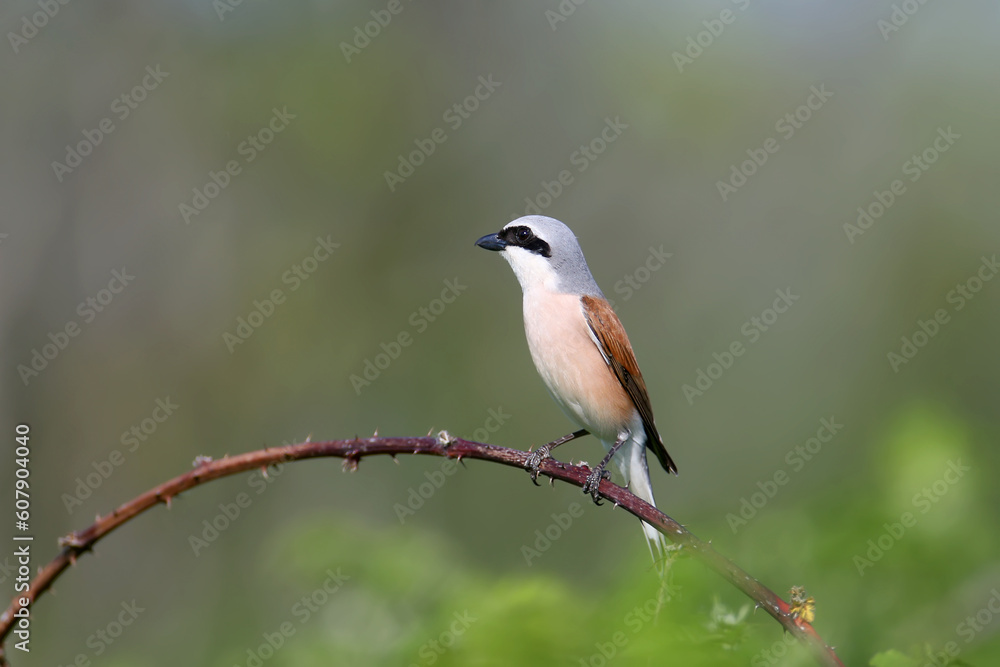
[{"x": 72, "y": 541}]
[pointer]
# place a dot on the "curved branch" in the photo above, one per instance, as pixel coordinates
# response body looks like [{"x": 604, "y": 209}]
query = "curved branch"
[{"x": 352, "y": 451}]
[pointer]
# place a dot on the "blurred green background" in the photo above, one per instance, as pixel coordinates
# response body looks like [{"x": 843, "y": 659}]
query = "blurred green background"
[{"x": 892, "y": 523}]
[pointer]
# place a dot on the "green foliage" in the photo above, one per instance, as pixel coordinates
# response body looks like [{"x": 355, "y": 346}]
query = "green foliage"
[
  {"x": 893, "y": 658},
  {"x": 410, "y": 599}
]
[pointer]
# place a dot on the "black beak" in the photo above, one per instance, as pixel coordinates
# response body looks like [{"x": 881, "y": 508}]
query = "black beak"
[{"x": 492, "y": 242}]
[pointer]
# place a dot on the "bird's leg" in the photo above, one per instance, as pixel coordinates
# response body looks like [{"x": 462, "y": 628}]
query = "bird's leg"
[
  {"x": 536, "y": 457},
  {"x": 599, "y": 473}
]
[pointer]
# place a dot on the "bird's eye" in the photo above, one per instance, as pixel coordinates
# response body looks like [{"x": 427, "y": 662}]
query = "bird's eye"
[{"x": 524, "y": 235}]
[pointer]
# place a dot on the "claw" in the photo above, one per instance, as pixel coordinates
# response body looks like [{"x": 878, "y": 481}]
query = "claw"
[
  {"x": 593, "y": 483},
  {"x": 534, "y": 462},
  {"x": 535, "y": 458}
]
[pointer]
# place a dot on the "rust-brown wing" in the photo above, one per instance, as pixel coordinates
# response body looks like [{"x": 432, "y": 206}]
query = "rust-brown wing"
[{"x": 617, "y": 352}]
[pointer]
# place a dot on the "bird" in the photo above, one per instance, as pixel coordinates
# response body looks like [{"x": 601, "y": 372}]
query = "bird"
[{"x": 583, "y": 355}]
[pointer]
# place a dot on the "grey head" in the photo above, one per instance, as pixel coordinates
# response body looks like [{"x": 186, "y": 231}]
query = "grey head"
[{"x": 543, "y": 252}]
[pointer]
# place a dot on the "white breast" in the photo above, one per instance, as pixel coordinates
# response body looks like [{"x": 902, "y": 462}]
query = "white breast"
[{"x": 571, "y": 364}]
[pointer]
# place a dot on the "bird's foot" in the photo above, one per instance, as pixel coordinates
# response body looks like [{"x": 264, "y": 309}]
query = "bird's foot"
[
  {"x": 594, "y": 481},
  {"x": 535, "y": 458},
  {"x": 534, "y": 462}
]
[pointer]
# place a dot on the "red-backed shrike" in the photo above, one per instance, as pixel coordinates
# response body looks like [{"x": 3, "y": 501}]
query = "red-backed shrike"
[{"x": 582, "y": 353}]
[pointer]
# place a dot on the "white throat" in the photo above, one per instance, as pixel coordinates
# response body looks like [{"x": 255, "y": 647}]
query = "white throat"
[{"x": 533, "y": 271}]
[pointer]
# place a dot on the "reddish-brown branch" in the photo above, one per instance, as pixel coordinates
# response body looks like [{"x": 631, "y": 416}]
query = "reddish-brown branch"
[{"x": 352, "y": 451}]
